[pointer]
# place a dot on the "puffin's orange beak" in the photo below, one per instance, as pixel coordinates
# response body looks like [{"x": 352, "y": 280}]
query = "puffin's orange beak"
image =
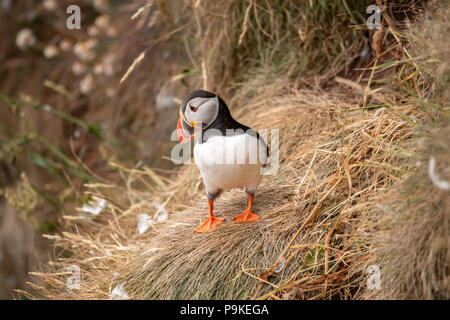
[{"x": 181, "y": 132}]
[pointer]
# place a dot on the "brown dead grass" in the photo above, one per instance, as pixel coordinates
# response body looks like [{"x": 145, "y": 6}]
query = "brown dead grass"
[
  {"x": 313, "y": 213},
  {"x": 413, "y": 222}
]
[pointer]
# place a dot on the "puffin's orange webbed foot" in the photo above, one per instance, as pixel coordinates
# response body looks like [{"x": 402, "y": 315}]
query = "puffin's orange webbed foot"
[
  {"x": 209, "y": 225},
  {"x": 246, "y": 216},
  {"x": 212, "y": 221}
]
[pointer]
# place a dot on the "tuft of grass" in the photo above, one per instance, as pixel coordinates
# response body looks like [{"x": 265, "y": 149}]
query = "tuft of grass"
[
  {"x": 253, "y": 43},
  {"x": 412, "y": 244}
]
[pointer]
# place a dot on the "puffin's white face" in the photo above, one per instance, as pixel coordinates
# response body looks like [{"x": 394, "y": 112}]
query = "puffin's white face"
[{"x": 201, "y": 111}]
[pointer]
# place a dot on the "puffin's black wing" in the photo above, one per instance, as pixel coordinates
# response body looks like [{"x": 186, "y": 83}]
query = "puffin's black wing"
[{"x": 225, "y": 121}]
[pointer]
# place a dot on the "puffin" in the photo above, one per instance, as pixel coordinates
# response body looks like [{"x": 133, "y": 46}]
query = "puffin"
[{"x": 228, "y": 154}]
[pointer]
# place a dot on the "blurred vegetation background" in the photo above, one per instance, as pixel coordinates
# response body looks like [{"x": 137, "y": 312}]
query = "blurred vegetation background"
[{"x": 64, "y": 113}]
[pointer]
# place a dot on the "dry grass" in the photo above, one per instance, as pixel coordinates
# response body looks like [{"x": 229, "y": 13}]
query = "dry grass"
[
  {"x": 251, "y": 44},
  {"x": 312, "y": 216},
  {"x": 412, "y": 220},
  {"x": 412, "y": 244}
]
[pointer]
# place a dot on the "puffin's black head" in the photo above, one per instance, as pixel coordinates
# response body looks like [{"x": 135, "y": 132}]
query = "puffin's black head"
[{"x": 199, "y": 109}]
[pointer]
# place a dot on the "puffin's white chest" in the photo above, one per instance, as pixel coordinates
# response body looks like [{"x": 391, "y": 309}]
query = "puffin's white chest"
[{"x": 227, "y": 162}]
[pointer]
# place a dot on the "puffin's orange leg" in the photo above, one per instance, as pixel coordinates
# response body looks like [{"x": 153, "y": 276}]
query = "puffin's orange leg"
[
  {"x": 247, "y": 215},
  {"x": 212, "y": 221}
]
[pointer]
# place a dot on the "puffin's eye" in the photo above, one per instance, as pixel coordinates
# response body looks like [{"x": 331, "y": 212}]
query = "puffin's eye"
[{"x": 193, "y": 109}]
